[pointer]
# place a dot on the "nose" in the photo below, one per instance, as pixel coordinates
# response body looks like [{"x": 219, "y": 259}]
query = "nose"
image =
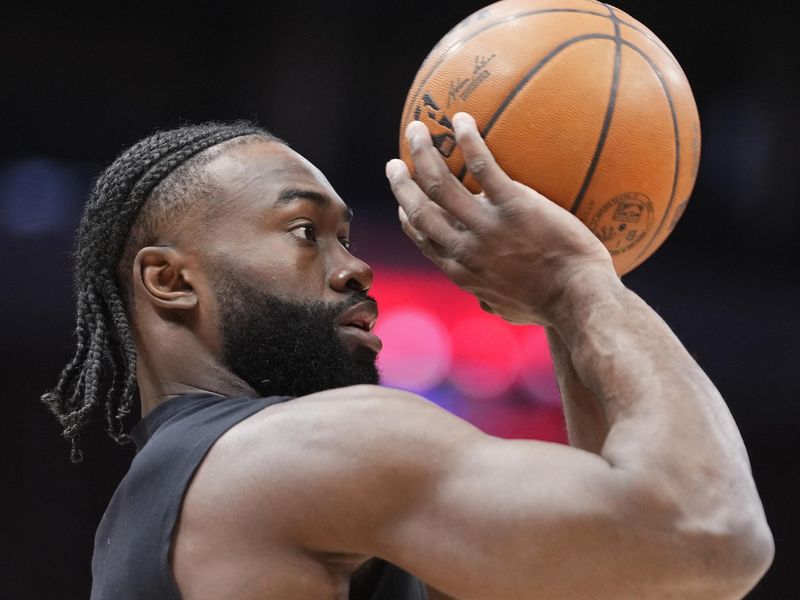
[{"x": 352, "y": 275}]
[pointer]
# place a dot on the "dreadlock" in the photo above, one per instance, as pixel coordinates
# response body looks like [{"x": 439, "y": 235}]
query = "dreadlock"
[{"x": 152, "y": 179}]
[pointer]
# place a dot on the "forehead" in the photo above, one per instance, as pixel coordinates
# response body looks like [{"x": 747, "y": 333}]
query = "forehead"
[{"x": 256, "y": 174}]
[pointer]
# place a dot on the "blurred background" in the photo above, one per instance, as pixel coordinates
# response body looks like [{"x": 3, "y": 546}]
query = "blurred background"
[{"x": 330, "y": 78}]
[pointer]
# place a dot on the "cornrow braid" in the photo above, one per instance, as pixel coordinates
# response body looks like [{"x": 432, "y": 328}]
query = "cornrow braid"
[{"x": 103, "y": 368}]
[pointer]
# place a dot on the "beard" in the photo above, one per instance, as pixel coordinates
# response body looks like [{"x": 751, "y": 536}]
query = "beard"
[{"x": 286, "y": 348}]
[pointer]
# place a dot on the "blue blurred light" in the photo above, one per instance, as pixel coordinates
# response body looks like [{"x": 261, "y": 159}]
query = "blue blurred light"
[
  {"x": 40, "y": 196},
  {"x": 447, "y": 398}
]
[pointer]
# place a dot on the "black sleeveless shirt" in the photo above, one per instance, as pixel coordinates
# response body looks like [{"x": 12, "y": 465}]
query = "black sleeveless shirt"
[{"x": 132, "y": 543}]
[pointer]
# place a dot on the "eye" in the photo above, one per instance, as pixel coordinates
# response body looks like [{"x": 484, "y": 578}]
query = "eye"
[
  {"x": 346, "y": 243},
  {"x": 307, "y": 231}
]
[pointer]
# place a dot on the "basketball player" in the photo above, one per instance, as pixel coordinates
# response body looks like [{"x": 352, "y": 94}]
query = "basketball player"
[{"x": 214, "y": 280}]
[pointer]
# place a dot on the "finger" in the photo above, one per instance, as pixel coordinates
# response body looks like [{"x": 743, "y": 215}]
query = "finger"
[
  {"x": 430, "y": 248},
  {"x": 433, "y": 251},
  {"x": 435, "y": 179},
  {"x": 479, "y": 160},
  {"x": 418, "y": 238},
  {"x": 452, "y": 267},
  {"x": 426, "y": 217}
]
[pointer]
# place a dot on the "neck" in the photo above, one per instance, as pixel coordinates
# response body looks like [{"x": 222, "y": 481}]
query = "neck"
[{"x": 161, "y": 383}]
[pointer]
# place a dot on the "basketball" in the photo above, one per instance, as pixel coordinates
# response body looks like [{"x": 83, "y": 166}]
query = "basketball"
[{"x": 577, "y": 100}]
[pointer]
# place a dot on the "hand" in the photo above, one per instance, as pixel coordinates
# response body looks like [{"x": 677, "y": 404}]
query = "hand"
[{"x": 511, "y": 247}]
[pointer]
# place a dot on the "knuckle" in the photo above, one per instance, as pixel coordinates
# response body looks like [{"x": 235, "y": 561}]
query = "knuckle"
[
  {"x": 458, "y": 225},
  {"x": 512, "y": 210},
  {"x": 460, "y": 252},
  {"x": 480, "y": 231},
  {"x": 478, "y": 166},
  {"x": 433, "y": 188},
  {"x": 414, "y": 216}
]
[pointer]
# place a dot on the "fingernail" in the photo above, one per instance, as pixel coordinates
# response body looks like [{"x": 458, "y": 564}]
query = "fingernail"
[
  {"x": 410, "y": 130},
  {"x": 415, "y": 129},
  {"x": 462, "y": 119},
  {"x": 394, "y": 168}
]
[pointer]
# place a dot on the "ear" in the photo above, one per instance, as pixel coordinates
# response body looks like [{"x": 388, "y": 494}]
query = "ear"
[{"x": 162, "y": 275}]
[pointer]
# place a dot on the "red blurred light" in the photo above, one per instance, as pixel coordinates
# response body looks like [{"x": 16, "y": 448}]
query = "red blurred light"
[
  {"x": 536, "y": 372},
  {"x": 437, "y": 337},
  {"x": 485, "y": 357},
  {"x": 417, "y": 349}
]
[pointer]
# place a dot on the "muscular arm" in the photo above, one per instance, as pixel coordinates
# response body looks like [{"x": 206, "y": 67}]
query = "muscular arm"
[
  {"x": 633, "y": 393},
  {"x": 377, "y": 472}
]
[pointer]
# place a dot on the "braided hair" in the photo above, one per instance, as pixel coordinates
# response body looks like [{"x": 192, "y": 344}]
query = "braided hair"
[{"x": 149, "y": 184}]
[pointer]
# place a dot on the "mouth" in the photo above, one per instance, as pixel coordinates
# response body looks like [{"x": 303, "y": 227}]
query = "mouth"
[
  {"x": 362, "y": 316},
  {"x": 357, "y": 323}
]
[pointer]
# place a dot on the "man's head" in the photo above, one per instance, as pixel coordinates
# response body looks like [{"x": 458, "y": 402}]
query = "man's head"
[{"x": 213, "y": 247}]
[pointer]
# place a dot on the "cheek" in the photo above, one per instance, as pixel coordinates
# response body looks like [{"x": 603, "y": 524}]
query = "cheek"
[
  {"x": 299, "y": 274},
  {"x": 279, "y": 265}
]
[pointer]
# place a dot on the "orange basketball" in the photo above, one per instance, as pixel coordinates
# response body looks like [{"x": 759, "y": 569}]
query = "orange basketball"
[{"x": 579, "y": 101}]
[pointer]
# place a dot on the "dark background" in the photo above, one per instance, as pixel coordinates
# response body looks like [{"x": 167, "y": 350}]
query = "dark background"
[{"x": 331, "y": 78}]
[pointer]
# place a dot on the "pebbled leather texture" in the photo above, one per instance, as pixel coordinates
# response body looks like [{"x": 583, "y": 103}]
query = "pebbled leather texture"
[{"x": 579, "y": 101}]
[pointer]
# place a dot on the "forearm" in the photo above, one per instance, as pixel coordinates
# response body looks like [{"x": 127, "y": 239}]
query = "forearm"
[
  {"x": 586, "y": 420},
  {"x": 668, "y": 425},
  {"x": 630, "y": 361}
]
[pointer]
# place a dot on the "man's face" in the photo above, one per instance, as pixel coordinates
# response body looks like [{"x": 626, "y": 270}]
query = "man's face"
[{"x": 292, "y": 312}]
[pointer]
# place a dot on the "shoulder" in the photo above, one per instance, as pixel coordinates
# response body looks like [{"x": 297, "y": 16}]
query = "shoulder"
[
  {"x": 325, "y": 456},
  {"x": 341, "y": 418},
  {"x": 335, "y": 434}
]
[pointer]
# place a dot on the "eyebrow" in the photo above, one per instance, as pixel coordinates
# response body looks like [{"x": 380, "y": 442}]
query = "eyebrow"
[{"x": 290, "y": 194}]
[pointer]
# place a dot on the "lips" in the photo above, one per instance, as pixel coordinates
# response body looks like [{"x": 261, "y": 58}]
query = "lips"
[
  {"x": 363, "y": 316},
  {"x": 357, "y": 323}
]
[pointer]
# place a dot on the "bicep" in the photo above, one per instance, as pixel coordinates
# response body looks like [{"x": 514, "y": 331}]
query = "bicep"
[
  {"x": 473, "y": 515},
  {"x": 510, "y": 519}
]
